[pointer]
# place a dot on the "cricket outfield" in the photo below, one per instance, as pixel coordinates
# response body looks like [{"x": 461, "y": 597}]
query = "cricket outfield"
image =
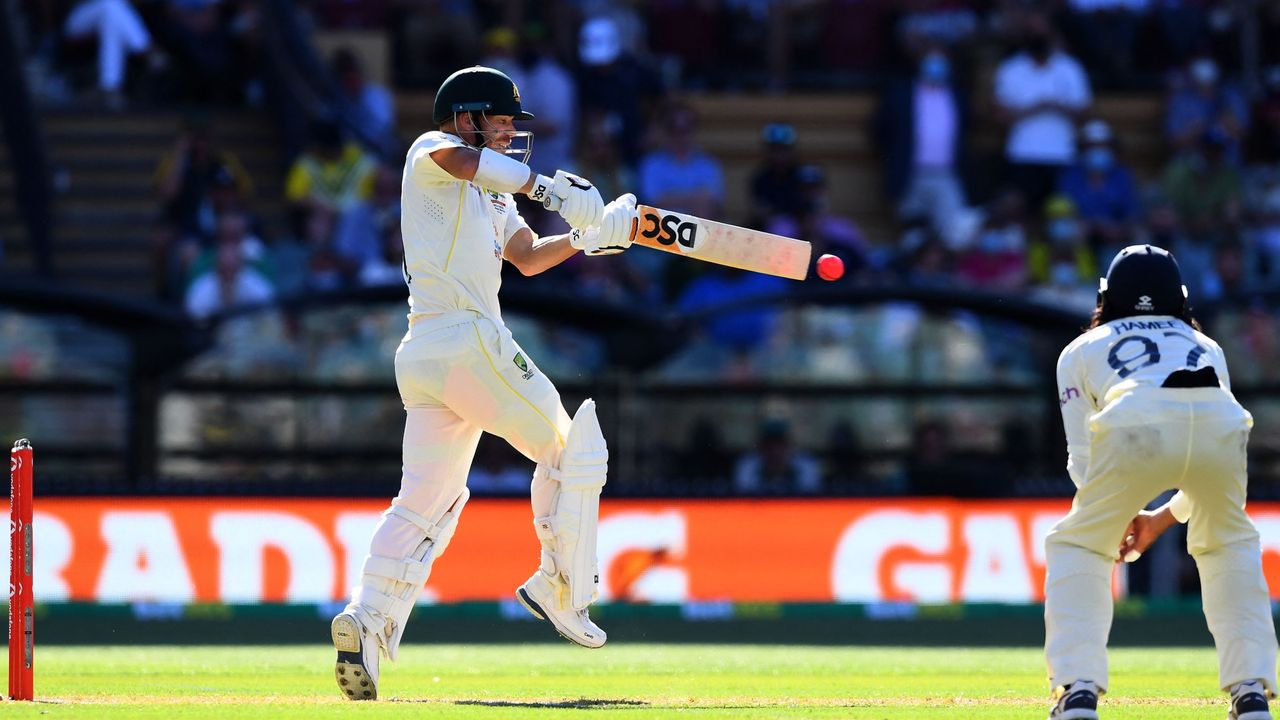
[{"x": 623, "y": 680}]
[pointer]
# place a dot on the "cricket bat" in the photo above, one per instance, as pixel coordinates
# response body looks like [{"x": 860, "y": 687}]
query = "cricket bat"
[{"x": 722, "y": 243}]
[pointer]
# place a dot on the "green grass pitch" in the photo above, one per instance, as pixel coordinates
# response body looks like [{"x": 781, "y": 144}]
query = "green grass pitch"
[{"x": 621, "y": 682}]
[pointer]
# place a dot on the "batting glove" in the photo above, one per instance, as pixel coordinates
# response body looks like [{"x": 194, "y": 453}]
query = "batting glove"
[
  {"x": 576, "y": 199},
  {"x": 616, "y": 231}
]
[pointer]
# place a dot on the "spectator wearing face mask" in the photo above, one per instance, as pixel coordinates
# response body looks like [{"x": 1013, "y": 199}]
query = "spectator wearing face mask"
[
  {"x": 920, "y": 127},
  {"x": 1040, "y": 92},
  {"x": 1101, "y": 189},
  {"x": 1058, "y": 259},
  {"x": 1202, "y": 102}
]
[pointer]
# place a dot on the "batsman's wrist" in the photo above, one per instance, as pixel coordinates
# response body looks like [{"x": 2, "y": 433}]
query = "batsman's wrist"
[{"x": 541, "y": 189}]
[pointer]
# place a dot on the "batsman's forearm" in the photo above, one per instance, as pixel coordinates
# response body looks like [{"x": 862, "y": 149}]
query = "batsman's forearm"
[{"x": 541, "y": 254}]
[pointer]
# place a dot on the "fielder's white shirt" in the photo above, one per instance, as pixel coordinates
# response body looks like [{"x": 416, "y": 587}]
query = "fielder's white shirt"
[
  {"x": 1129, "y": 351},
  {"x": 454, "y": 234}
]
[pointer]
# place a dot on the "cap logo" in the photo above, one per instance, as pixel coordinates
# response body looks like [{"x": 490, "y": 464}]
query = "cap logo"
[
  {"x": 1144, "y": 303},
  {"x": 515, "y": 92}
]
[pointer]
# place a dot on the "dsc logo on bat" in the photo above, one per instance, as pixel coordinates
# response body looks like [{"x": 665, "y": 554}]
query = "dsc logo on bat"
[{"x": 671, "y": 228}]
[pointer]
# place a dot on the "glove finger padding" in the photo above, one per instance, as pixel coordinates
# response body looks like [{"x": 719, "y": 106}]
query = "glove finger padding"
[
  {"x": 618, "y": 229},
  {"x": 581, "y": 205}
]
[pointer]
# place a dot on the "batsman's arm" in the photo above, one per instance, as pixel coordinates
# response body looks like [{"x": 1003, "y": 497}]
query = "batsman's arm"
[
  {"x": 577, "y": 200},
  {"x": 532, "y": 254},
  {"x": 492, "y": 170}
]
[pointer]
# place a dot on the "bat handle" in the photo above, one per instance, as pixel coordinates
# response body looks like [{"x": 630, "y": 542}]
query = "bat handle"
[{"x": 553, "y": 202}]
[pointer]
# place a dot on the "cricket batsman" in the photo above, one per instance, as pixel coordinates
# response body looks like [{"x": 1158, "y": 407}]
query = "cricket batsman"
[
  {"x": 1147, "y": 406},
  {"x": 460, "y": 372}
]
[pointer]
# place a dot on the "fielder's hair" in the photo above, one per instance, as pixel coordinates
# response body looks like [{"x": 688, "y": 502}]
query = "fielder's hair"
[{"x": 1103, "y": 314}]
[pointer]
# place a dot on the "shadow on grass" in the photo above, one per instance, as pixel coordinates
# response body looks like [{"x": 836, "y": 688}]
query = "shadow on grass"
[{"x": 579, "y": 704}]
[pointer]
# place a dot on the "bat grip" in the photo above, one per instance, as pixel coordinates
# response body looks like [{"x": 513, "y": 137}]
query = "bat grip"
[{"x": 553, "y": 202}]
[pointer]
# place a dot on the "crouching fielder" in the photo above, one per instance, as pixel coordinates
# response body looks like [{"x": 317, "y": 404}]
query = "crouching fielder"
[
  {"x": 1147, "y": 406},
  {"x": 461, "y": 373}
]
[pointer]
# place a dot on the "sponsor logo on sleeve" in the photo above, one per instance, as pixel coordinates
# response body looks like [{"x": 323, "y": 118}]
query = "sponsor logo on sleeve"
[{"x": 1068, "y": 395}]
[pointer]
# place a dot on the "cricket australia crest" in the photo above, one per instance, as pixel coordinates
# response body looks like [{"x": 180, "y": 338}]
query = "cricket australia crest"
[{"x": 524, "y": 366}]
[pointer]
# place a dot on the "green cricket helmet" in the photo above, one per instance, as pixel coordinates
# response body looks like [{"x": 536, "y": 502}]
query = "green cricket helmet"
[{"x": 478, "y": 89}]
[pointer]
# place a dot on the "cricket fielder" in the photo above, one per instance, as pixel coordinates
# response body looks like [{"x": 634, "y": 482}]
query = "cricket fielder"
[
  {"x": 460, "y": 373},
  {"x": 1147, "y": 406}
]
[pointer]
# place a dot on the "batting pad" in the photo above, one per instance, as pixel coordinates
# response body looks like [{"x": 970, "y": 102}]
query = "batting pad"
[{"x": 584, "y": 466}]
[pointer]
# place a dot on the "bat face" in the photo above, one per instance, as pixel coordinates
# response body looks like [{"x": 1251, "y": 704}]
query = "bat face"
[
  {"x": 721, "y": 243},
  {"x": 670, "y": 230}
]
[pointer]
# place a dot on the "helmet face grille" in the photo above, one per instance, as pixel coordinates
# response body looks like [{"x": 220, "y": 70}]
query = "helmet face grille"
[{"x": 1144, "y": 280}]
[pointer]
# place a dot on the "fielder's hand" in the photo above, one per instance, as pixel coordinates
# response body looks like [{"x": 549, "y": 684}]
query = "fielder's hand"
[
  {"x": 616, "y": 230},
  {"x": 577, "y": 200},
  {"x": 1143, "y": 530}
]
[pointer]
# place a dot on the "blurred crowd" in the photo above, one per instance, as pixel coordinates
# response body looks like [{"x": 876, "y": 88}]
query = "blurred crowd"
[{"x": 997, "y": 167}]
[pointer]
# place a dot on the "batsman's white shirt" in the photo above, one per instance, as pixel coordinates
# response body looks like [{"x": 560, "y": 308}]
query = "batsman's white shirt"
[
  {"x": 454, "y": 234},
  {"x": 459, "y": 370},
  {"x": 1129, "y": 439}
]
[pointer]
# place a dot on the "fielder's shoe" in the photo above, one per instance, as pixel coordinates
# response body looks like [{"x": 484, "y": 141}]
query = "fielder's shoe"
[
  {"x": 538, "y": 596},
  {"x": 357, "y": 667},
  {"x": 1249, "y": 702},
  {"x": 1077, "y": 701}
]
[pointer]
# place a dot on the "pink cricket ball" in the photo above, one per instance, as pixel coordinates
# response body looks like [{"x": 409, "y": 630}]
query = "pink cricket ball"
[{"x": 830, "y": 267}]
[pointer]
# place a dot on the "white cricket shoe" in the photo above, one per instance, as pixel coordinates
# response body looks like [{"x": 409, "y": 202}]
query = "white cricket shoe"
[
  {"x": 1077, "y": 701},
  {"x": 357, "y": 667},
  {"x": 1249, "y": 702},
  {"x": 538, "y": 596}
]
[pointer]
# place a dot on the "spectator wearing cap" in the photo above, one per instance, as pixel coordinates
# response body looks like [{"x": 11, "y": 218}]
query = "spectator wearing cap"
[
  {"x": 920, "y": 128},
  {"x": 1205, "y": 188},
  {"x": 1040, "y": 92},
  {"x": 775, "y": 183},
  {"x": 617, "y": 84},
  {"x": 1199, "y": 102},
  {"x": 1101, "y": 189}
]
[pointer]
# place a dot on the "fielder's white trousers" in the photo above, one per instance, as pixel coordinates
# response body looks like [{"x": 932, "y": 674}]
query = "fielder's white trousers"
[
  {"x": 458, "y": 376},
  {"x": 1144, "y": 442},
  {"x": 119, "y": 30}
]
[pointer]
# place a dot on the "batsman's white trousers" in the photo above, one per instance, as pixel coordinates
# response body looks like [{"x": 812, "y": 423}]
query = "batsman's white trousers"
[
  {"x": 1143, "y": 442},
  {"x": 460, "y": 374}
]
